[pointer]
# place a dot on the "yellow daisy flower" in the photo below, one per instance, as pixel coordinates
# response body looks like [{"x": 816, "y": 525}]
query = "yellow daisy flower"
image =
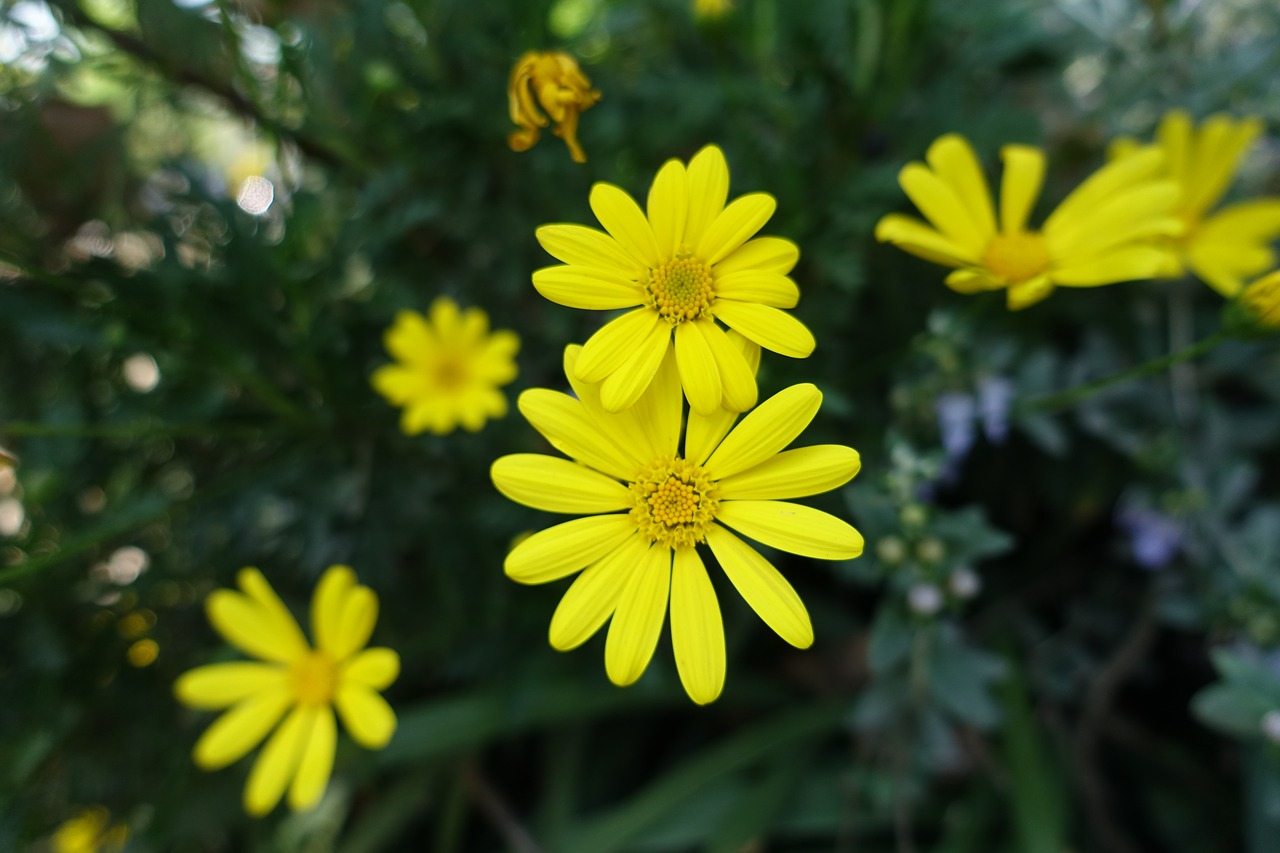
[
  {"x": 89, "y": 832},
  {"x": 1225, "y": 248},
  {"x": 688, "y": 263},
  {"x": 449, "y": 369},
  {"x": 650, "y": 499},
  {"x": 1098, "y": 235},
  {"x": 295, "y": 678},
  {"x": 553, "y": 81}
]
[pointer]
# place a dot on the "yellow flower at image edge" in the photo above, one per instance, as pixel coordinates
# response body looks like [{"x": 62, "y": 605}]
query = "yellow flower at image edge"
[
  {"x": 1255, "y": 312},
  {"x": 294, "y": 682},
  {"x": 1098, "y": 235},
  {"x": 687, "y": 261},
  {"x": 1227, "y": 247},
  {"x": 552, "y": 81},
  {"x": 89, "y": 832},
  {"x": 449, "y": 369},
  {"x": 651, "y": 497}
]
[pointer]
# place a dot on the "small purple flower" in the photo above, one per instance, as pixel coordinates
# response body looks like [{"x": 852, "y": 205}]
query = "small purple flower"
[
  {"x": 1154, "y": 537},
  {"x": 995, "y": 396},
  {"x": 956, "y": 413}
]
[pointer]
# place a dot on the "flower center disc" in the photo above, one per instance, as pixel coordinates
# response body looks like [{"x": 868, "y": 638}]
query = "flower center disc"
[
  {"x": 1017, "y": 257},
  {"x": 681, "y": 289},
  {"x": 674, "y": 502},
  {"x": 315, "y": 679},
  {"x": 450, "y": 374}
]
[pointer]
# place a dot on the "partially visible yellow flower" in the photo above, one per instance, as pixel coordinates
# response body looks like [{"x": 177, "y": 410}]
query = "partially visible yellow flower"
[
  {"x": 1098, "y": 235},
  {"x": 1255, "y": 312},
  {"x": 307, "y": 683},
  {"x": 653, "y": 494},
  {"x": 552, "y": 81},
  {"x": 89, "y": 832},
  {"x": 1234, "y": 244},
  {"x": 710, "y": 10},
  {"x": 688, "y": 260},
  {"x": 449, "y": 369}
]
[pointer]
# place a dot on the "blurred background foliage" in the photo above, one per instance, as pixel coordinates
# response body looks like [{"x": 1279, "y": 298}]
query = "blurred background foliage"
[{"x": 1063, "y": 635}]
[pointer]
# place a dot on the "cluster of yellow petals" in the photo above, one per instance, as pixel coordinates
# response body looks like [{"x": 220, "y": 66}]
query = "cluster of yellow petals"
[{"x": 548, "y": 87}]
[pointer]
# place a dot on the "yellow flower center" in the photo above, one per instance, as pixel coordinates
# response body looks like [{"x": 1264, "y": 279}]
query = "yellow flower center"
[
  {"x": 450, "y": 374},
  {"x": 1017, "y": 257},
  {"x": 681, "y": 289},
  {"x": 315, "y": 679},
  {"x": 673, "y": 502}
]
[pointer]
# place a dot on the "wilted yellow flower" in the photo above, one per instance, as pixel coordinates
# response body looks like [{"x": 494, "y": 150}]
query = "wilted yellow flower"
[
  {"x": 709, "y": 10},
  {"x": 1100, "y": 234},
  {"x": 688, "y": 263},
  {"x": 295, "y": 678},
  {"x": 651, "y": 497},
  {"x": 89, "y": 832},
  {"x": 552, "y": 81},
  {"x": 1225, "y": 248},
  {"x": 449, "y": 369}
]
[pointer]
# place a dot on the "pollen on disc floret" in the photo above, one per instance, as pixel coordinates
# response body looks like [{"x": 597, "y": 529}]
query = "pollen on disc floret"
[
  {"x": 681, "y": 289},
  {"x": 674, "y": 502}
]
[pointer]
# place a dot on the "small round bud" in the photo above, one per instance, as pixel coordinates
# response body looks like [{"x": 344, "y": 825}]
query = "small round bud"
[
  {"x": 1270, "y": 726},
  {"x": 1255, "y": 313},
  {"x": 924, "y": 599},
  {"x": 931, "y": 550},
  {"x": 891, "y": 550},
  {"x": 964, "y": 583},
  {"x": 912, "y": 515}
]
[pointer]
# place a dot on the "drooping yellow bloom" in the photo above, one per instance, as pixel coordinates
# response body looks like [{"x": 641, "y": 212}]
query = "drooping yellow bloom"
[
  {"x": 89, "y": 832},
  {"x": 449, "y": 369},
  {"x": 652, "y": 494},
  {"x": 1225, "y": 248},
  {"x": 307, "y": 683},
  {"x": 1099, "y": 234},
  {"x": 553, "y": 81},
  {"x": 688, "y": 263}
]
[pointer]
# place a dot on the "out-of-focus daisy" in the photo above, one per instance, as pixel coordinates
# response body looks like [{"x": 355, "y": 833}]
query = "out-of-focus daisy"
[
  {"x": 293, "y": 681},
  {"x": 1100, "y": 234},
  {"x": 90, "y": 831},
  {"x": 553, "y": 82},
  {"x": 448, "y": 368},
  {"x": 688, "y": 263},
  {"x": 1226, "y": 247},
  {"x": 1255, "y": 312},
  {"x": 651, "y": 494}
]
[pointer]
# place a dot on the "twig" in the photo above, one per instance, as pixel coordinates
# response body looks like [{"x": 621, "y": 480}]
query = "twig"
[{"x": 490, "y": 802}]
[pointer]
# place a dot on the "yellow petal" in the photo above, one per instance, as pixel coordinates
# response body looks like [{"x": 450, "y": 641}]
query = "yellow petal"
[
  {"x": 1143, "y": 211},
  {"x": 766, "y": 288},
  {"x": 220, "y": 685},
  {"x": 763, "y": 254},
  {"x": 637, "y": 622},
  {"x": 561, "y": 550},
  {"x": 792, "y": 527},
  {"x": 356, "y": 617},
  {"x": 365, "y": 715},
  {"x": 587, "y": 287},
  {"x": 972, "y": 281},
  {"x": 399, "y": 385},
  {"x": 668, "y": 207},
  {"x": 1174, "y": 137},
  {"x": 1020, "y": 185},
  {"x": 581, "y": 246},
  {"x": 762, "y": 587},
  {"x": 1028, "y": 293},
  {"x": 772, "y": 329},
  {"x": 327, "y": 604},
  {"x": 953, "y": 160},
  {"x": 629, "y": 432},
  {"x": 912, "y": 235},
  {"x": 769, "y": 428},
  {"x": 375, "y": 668},
  {"x": 659, "y": 409},
  {"x": 241, "y": 728},
  {"x": 317, "y": 762},
  {"x": 244, "y": 624},
  {"x": 1117, "y": 176},
  {"x": 552, "y": 484},
  {"x": 564, "y": 422},
  {"x": 626, "y": 223},
  {"x": 1221, "y": 144},
  {"x": 1225, "y": 265},
  {"x": 446, "y": 320},
  {"x": 794, "y": 474},
  {"x": 942, "y": 207},
  {"x": 1253, "y": 221},
  {"x": 624, "y": 386},
  {"x": 594, "y": 594},
  {"x": 282, "y": 624},
  {"x": 698, "y": 371},
  {"x": 697, "y": 632},
  {"x": 279, "y": 760},
  {"x": 1128, "y": 263},
  {"x": 737, "y": 376},
  {"x": 708, "y": 177},
  {"x": 616, "y": 341},
  {"x": 735, "y": 225}
]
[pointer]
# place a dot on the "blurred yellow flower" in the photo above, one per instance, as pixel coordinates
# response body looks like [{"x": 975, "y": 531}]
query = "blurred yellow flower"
[
  {"x": 449, "y": 369},
  {"x": 295, "y": 678},
  {"x": 1225, "y": 248},
  {"x": 1100, "y": 234},
  {"x": 1262, "y": 301},
  {"x": 89, "y": 832},
  {"x": 709, "y": 10},
  {"x": 552, "y": 81},
  {"x": 688, "y": 263},
  {"x": 650, "y": 499}
]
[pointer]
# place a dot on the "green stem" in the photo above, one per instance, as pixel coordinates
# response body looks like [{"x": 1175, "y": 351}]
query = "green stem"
[{"x": 1065, "y": 399}]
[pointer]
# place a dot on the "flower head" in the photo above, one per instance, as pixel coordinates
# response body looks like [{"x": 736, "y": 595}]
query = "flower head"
[
  {"x": 1234, "y": 244},
  {"x": 553, "y": 81},
  {"x": 1255, "y": 312},
  {"x": 296, "y": 682},
  {"x": 449, "y": 369},
  {"x": 687, "y": 264},
  {"x": 1096, "y": 236},
  {"x": 653, "y": 494},
  {"x": 90, "y": 831}
]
